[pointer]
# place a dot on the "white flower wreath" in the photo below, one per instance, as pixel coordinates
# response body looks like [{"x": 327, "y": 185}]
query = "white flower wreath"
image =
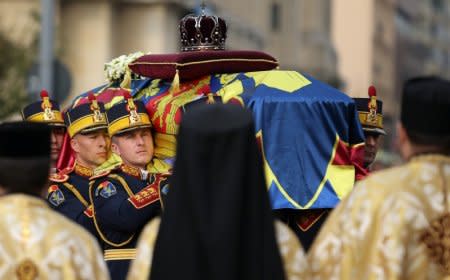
[{"x": 115, "y": 69}]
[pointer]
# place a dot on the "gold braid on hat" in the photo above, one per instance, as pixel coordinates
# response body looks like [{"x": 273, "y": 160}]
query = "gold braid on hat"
[
  {"x": 47, "y": 106},
  {"x": 134, "y": 116},
  {"x": 98, "y": 116}
]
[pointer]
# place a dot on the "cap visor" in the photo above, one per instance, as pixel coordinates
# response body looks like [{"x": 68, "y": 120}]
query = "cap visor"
[
  {"x": 94, "y": 128},
  {"x": 375, "y": 130},
  {"x": 132, "y": 128}
]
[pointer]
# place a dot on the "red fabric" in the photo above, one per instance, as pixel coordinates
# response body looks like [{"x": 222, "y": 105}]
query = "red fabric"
[
  {"x": 347, "y": 155},
  {"x": 342, "y": 156},
  {"x": 66, "y": 157},
  {"x": 357, "y": 158},
  {"x": 164, "y": 66}
]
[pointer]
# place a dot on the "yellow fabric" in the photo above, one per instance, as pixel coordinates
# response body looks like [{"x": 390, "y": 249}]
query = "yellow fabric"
[
  {"x": 341, "y": 177},
  {"x": 159, "y": 166},
  {"x": 292, "y": 255},
  {"x": 53, "y": 246},
  {"x": 288, "y": 81},
  {"x": 165, "y": 145},
  {"x": 174, "y": 102},
  {"x": 156, "y": 165},
  {"x": 112, "y": 162},
  {"x": 374, "y": 232},
  {"x": 124, "y": 123},
  {"x": 83, "y": 123},
  {"x": 39, "y": 117}
]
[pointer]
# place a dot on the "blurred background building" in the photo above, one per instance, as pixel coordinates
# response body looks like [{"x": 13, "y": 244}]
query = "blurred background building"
[{"x": 350, "y": 44}]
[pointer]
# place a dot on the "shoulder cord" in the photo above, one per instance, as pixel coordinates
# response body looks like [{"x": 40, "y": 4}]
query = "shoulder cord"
[
  {"x": 97, "y": 227},
  {"x": 77, "y": 194}
]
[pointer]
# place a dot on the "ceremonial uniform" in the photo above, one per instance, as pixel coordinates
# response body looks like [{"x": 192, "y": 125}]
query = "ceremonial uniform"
[
  {"x": 370, "y": 114},
  {"x": 126, "y": 198},
  {"x": 69, "y": 189},
  {"x": 69, "y": 195}
]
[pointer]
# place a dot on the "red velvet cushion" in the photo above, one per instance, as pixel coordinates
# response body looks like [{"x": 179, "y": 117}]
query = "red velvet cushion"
[{"x": 196, "y": 64}]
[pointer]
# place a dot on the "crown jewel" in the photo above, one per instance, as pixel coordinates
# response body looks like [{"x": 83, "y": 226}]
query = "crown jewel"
[{"x": 202, "y": 32}]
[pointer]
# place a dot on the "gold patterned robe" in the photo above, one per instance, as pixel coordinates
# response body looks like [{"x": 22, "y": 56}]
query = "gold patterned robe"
[
  {"x": 38, "y": 243},
  {"x": 377, "y": 231},
  {"x": 294, "y": 261}
]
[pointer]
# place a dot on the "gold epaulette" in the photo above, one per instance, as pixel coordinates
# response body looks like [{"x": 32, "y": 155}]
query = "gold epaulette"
[
  {"x": 61, "y": 176},
  {"x": 58, "y": 177}
]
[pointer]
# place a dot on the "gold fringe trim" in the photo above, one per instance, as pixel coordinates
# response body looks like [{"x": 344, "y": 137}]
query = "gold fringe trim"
[
  {"x": 119, "y": 254},
  {"x": 126, "y": 83},
  {"x": 175, "y": 87}
]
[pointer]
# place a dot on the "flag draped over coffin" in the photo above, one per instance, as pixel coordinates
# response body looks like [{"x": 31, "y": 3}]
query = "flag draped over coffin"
[{"x": 309, "y": 133}]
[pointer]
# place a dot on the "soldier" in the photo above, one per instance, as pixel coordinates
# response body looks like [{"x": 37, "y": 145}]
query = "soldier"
[
  {"x": 36, "y": 242},
  {"x": 69, "y": 189},
  {"x": 126, "y": 198},
  {"x": 47, "y": 111},
  {"x": 371, "y": 118}
]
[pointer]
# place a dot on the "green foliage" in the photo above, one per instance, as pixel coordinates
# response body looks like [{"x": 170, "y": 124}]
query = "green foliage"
[{"x": 15, "y": 61}]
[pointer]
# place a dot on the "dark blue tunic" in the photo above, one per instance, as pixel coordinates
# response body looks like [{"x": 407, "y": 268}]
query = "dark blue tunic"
[
  {"x": 123, "y": 203},
  {"x": 68, "y": 194}
]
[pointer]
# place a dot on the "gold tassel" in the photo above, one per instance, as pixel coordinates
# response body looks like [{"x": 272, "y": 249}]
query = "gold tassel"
[
  {"x": 126, "y": 83},
  {"x": 175, "y": 87},
  {"x": 210, "y": 99}
]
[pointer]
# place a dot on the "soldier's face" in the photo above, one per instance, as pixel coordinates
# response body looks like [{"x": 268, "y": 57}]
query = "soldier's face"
[
  {"x": 371, "y": 147},
  {"x": 57, "y": 137},
  {"x": 91, "y": 149},
  {"x": 134, "y": 147}
]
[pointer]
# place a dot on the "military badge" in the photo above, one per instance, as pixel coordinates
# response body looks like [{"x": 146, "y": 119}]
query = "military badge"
[
  {"x": 372, "y": 117},
  {"x": 49, "y": 115},
  {"x": 106, "y": 189},
  {"x": 98, "y": 116},
  {"x": 55, "y": 195}
]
